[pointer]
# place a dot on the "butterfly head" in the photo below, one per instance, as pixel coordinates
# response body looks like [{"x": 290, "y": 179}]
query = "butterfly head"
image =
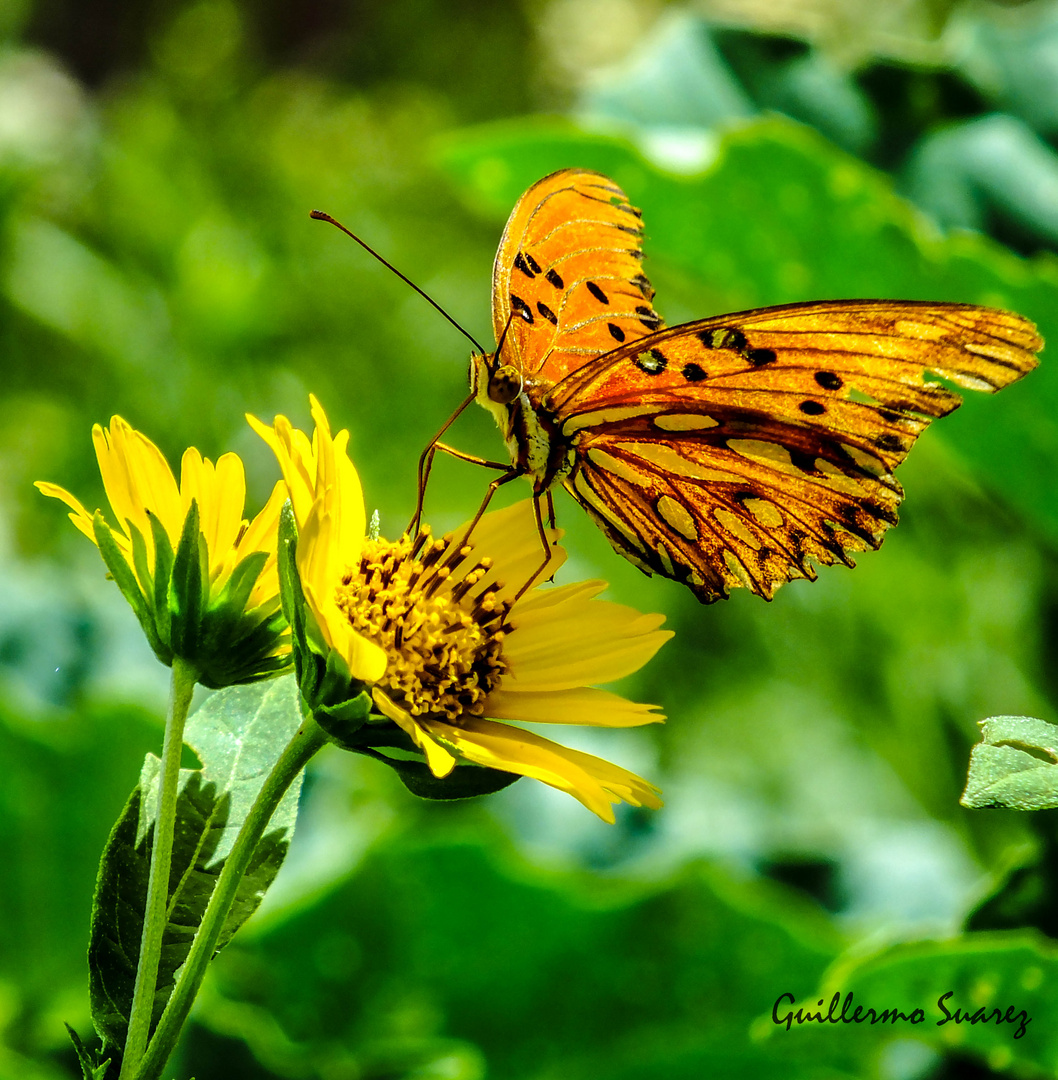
[{"x": 493, "y": 383}]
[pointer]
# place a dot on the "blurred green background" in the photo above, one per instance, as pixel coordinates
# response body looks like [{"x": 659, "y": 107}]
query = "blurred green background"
[{"x": 157, "y": 165}]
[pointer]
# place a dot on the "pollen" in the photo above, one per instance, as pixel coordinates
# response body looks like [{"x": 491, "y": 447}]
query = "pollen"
[{"x": 423, "y": 602}]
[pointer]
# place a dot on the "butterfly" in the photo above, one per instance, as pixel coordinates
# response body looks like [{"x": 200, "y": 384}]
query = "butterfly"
[{"x": 734, "y": 451}]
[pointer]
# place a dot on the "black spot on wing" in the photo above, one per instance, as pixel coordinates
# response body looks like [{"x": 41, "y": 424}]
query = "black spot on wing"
[
  {"x": 693, "y": 372},
  {"x": 760, "y": 357},
  {"x": 521, "y": 307},
  {"x": 642, "y": 283},
  {"x": 890, "y": 442},
  {"x": 547, "y": 314},
  {"x": 554, "y": 279},
  {"x": 803, "y": 461},
  {"x": 724, "y": 337},
  {"x": 828, "y": 380},
  {"x": 648, "y": 317},
  {"x": 883, "y": 513},
  {"x": 811, "y": 408},
  {"x": 597, "y": 292},
  {"x": 533, "y": 264},
  {"x": 653, "y": 361},
  {"x": 521, "y": 263},
  {"x": 615, "y": 331}
]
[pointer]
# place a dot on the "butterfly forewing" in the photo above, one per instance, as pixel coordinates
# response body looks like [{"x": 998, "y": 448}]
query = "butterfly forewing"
[
  {"x": 569, "y": 270},
  {"x": 730, "y": 451}
]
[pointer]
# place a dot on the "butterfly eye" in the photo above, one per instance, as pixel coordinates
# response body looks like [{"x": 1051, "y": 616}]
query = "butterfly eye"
[{"x": 505, "y": 384}]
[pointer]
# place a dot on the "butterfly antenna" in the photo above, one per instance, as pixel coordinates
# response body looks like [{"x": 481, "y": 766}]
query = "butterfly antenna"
[
  {"x": 503, "y": 337},
  {"x": 319, "y": 215}
]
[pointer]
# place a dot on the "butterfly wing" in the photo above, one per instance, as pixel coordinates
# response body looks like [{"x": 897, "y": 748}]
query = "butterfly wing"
[
  {"x": 569, "y": 267},
  {"x": 731, "y": 451}
]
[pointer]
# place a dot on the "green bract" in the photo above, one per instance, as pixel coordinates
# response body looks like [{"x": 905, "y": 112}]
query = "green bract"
[{"x": 180, "y": 614}]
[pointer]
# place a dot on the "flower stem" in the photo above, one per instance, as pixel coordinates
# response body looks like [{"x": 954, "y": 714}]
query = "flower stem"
[
  {"x": 156, "y": 912},
  {"x": 308, "y": 739}
]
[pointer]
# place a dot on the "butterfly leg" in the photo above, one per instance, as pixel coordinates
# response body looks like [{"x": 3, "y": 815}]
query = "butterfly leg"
[
  {"x": 426, "y": 463},
  {"x": 545, "y": 544},
  {"x": 550, "y": 510},
  {"x": 512, "y": 474},
  {"x": 459, "y": 455},
  {"x": 462, "y": 455}
]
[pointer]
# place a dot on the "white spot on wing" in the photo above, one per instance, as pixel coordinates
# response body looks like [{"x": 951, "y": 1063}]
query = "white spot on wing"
[
  {"x": 684, "y": 422},
  {"x": 734, "y": 525},
  {"x": 617, "y": 467},
  {"x": 766, "y": 513},
  {"x": 678, "y": 516},
  {"x": 603, "y": 416}
]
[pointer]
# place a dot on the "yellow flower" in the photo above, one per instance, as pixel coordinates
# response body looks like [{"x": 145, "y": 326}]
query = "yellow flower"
[
  {"x": 450, "y": 654},
  {"x": 202, "y": 580}
]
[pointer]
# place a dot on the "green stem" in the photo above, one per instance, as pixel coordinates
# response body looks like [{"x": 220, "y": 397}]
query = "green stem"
[
  {"x": 156, "y": 912},
  {"x": 308, "y": 739}
]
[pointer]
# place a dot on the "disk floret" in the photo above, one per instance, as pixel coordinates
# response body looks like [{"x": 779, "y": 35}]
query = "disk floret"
[{"x": 443, "y": 636}]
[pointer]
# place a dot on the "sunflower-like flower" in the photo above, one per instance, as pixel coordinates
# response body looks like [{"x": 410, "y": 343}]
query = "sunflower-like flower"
[
  {"x": 449, "y": 652},
  {"x": 200, "y": 578}
]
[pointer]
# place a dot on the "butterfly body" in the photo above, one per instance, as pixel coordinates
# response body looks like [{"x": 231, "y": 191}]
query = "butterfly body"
[
  {"x": 732, "y": 451},
  {"x": 530, "y": 430}
]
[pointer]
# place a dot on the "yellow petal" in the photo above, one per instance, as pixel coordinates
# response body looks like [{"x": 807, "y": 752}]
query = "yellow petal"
[
  {"x": 297, "y": 461},
  {"x": 366, "y": 660},
  {"x": 261, "y": 535},
  {"x": 338, "y": 488},
  {"x": 582, "y": 705},
  {"x": 316, "y": 560},
  {"x": 137, "y": 478},
  {"x": 441, "y": 762},
  {"x": 328, "y": 504},
  {"x": 594, "y": 782},
  {"x": 221, "y": 502},
  {"x": 325, "y": 493},
  {"x": 80, "y": 516},
  {"x": 511, "y": 539},
  {"x": 563, "y": 638}
]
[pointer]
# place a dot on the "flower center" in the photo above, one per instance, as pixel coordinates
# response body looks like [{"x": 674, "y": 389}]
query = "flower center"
[{"x": 442, "y": 633}]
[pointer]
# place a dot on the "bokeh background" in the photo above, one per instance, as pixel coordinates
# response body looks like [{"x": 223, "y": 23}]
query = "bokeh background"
[{"x": 157, "y": 165}]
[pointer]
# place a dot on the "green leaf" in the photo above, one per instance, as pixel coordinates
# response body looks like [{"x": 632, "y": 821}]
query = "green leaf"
[
  {"x": 290, "y": 594},
  {"x": 90, "y": 1069},
  {"x": 1003, "y": 979},
  {"x": 465, "y": 781},
  {"x": 126, "y": 580},
  {"x": 189, "y": 588},
  {"x": 158, "y": 590},
  {"x": 243, "y": 578},
  {"x": 1014, "y": 766},
  {"x": 237, "y": 734}
]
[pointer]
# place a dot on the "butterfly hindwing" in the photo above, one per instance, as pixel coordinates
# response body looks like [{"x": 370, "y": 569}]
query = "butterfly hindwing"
[
  {"x": 718, "y": 516},
  {"x": 569, "y": 271},
  {"x": 730, "y": 451}
]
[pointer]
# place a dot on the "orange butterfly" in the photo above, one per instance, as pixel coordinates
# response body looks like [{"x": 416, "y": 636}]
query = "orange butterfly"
[{"x": 725, "y": 452}]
